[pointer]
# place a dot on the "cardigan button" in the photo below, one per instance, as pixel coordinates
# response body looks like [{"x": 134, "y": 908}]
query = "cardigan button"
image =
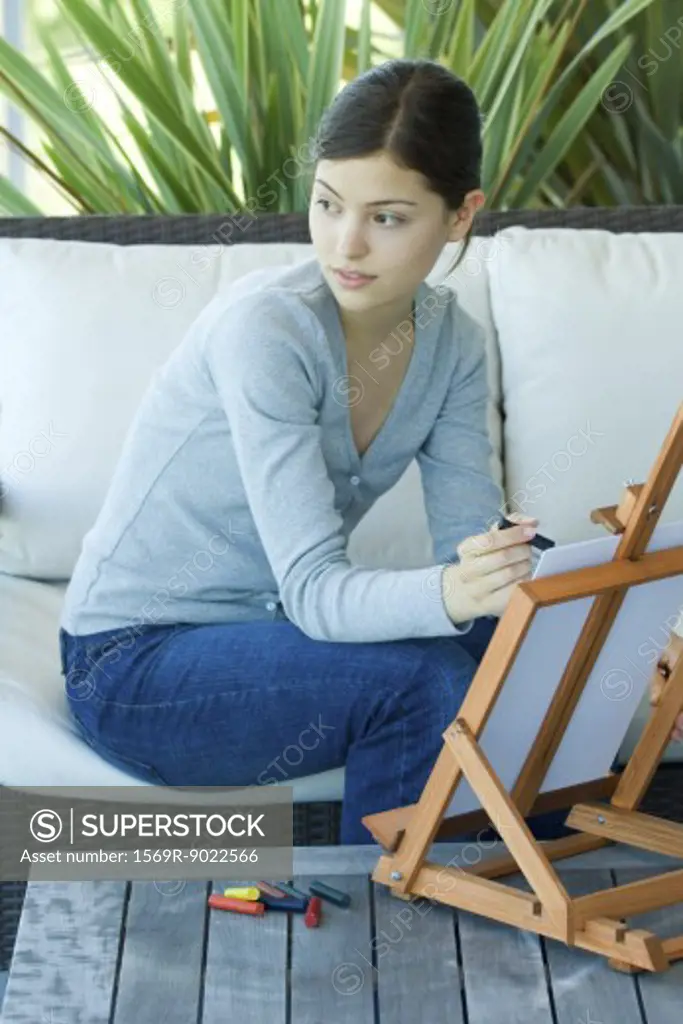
[{"x": 355, "y": 480}]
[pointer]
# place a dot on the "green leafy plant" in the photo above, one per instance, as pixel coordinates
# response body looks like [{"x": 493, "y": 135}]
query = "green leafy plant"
[
  {"x": 631, "y": 151},
  {"x": 271, "y": 68}
]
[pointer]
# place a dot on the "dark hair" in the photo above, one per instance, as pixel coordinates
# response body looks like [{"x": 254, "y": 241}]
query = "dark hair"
[{"x": 424, "y": 116}]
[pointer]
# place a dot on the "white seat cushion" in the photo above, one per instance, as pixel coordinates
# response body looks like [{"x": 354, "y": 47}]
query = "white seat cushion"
[{"x": 39, "y": 743}]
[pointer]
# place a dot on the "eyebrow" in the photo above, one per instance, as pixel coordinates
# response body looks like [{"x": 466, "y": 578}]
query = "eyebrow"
[{"x": 375, "y": 202}]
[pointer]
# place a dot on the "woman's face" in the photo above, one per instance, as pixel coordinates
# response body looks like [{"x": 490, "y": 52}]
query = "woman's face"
[{"x": 369, "y": 215}]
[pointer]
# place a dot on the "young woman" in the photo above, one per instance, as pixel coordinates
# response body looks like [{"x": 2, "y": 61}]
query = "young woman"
[{"x": 214, "y": 631}]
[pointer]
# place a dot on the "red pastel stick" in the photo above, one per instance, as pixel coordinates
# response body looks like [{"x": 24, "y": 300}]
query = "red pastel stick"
[
  {"x": 239, "y": 906},
  {"x": 313, "y": 913}
]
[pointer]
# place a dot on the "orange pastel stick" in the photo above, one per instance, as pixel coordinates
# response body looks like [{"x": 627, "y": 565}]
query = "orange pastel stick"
[{"x": 239, "y": 906}]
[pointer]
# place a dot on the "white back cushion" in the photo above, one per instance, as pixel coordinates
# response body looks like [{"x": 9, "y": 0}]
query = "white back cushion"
[
  {"x": 591, "y": 342},
  {"x": 85, "y": 326}
]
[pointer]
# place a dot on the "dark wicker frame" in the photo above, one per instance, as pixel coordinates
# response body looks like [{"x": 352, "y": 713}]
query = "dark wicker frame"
[
  {"x": 233, "y": 228},
  {"x": 318, "y": 823}
]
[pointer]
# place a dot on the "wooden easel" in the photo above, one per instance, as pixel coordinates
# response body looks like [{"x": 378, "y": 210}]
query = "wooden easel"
[{"x": 594, "y": 922}]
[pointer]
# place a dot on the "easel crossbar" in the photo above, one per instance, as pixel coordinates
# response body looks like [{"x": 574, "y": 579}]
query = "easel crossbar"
[
  {"x": 388, "y": 826},
  {"x": 635, "y": 898},
  {"x": 644, "y": 831},
  {"x": 509, "y": 906},
  {"x": 600, "y": 579}
]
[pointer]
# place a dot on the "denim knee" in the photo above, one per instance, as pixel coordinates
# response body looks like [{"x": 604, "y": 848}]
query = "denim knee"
[{"x": 439, "y": 684}]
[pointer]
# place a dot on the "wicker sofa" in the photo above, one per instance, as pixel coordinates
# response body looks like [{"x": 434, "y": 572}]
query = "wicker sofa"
[{"x": 317, "y": 821}]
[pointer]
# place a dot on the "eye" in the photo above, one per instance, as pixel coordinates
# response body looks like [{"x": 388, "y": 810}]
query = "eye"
[{"x": 397, "y": 219}]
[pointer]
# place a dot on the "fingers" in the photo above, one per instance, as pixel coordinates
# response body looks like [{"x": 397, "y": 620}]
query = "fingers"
[
  {"x": 495, "y": 540},
  {"x": 677, "y": 733},
  {"x": 498, "y": 561},
  {"x": 518, "y": 517},
  {"x": 493, "y": 563},
  {"x": 498, "y": 600},
  {"x": 484, "y": 583},
  {"x": 509, "y": 575}
]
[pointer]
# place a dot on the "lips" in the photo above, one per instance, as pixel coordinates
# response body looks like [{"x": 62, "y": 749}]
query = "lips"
[{"x": 354, "y": 276}]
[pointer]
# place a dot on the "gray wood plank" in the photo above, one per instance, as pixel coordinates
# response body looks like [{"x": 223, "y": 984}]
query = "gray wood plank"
[
  {"x": 585, "y": 989},
  {"x": 416, "y": 958},
  {"x": 332, "y": 976},
  {"x": 662, "y": 993},
  {"x": 66, "y": 953},
  {"x": 504, "y": 973},
  {"x": 66, "y": 968},
  {"x": 162, "y": 954},
  {"x": 246, "y": 966}
]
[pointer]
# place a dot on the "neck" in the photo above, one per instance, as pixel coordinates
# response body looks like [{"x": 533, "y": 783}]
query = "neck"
[{"x": 364, "y": 331}]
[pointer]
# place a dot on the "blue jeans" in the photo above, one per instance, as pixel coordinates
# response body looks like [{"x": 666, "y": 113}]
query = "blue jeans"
[{"x": 237, "y": 704}]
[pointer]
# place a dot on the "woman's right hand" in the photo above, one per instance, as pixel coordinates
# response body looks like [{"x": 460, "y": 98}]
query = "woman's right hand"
[{"x": 491, "y": 565}]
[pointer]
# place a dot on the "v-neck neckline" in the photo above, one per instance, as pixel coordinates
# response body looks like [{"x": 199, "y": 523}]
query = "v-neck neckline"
[{"x": 358, "y": 460}]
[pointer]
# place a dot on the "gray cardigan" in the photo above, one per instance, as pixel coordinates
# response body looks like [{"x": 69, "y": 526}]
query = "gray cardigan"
[{"x": 239, "y": 481}]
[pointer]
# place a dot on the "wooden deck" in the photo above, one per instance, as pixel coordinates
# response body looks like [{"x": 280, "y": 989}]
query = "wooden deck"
[{"x": 114, "y": 952}]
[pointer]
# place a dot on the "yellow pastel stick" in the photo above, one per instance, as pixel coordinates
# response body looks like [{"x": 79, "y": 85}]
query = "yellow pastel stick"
[{"x": 247, "y": 893}]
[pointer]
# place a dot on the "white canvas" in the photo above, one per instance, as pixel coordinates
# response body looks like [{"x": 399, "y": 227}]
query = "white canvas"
[{"x": 617, "y": 684}]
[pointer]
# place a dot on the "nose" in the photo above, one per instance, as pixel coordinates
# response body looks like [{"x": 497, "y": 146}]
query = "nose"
[{"x": 352, "y": 244}]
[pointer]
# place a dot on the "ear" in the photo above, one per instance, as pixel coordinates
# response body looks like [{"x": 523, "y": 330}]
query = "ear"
[{"x": 461, "y": 220}]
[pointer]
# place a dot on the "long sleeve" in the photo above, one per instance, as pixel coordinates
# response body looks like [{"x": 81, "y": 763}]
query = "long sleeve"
[
  {"x": 269, "y": 385},
  {"x": 461, "y": 496}
]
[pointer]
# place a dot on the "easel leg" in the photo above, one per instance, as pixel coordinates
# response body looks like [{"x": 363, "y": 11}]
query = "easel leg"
[
  {"x": 621, "y": 965},
  {"x": 496, "y": 801},
  {"x": 431, "y": 808},
  {"x": 429, "y": 811},
  {"x": 654, "y": 738},
  {"x": 656, "y": 951}
]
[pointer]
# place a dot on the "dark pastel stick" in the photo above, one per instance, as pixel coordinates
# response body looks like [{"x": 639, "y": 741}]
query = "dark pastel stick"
[
  {"x": 291, "y": 890},
  {"x": 285, "y": 903},
  {"x": 538, "y": 541},
  {"x": 326, "y": 892}
]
